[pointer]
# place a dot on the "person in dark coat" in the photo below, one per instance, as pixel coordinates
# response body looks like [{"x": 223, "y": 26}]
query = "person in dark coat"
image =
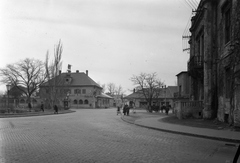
[
  {"x": 127, "y": 110},
  {"x": 42, "y": 107},
  {"x": 124, "y": 109},
  {"x": 29, "y": 106},
  {"x": 55, "y": 109},
  {"x": 167, "y": 109}
]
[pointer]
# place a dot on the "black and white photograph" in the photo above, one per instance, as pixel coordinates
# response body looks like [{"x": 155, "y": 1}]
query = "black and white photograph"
[{"x": 120, "y": 81}]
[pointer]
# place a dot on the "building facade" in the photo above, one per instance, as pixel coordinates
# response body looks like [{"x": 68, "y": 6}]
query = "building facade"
[
  {"x": 213, "y": 65},
  {"x": 183, "y": 81},
  {"x": 70, "y": 90},
  {"x": 165, "y": 97}
]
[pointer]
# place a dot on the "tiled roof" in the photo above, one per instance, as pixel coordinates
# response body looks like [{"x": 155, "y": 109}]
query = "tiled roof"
[
  {"x": 170, "y": 90},
  {"x": 77, "y": 79}
]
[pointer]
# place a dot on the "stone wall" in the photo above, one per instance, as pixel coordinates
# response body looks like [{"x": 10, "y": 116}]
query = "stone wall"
[{"x": 188, "y": 109}]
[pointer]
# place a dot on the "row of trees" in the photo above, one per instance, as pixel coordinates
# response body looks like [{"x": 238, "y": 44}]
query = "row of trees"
[
  {"x": 27, "y": 75},
  {"x": 112, "y": 89}
]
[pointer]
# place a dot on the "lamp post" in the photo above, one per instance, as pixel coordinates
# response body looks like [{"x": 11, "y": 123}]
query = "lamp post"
[
  {"x": 165, "y": 102},
  {"x": 8, "y": 89}
]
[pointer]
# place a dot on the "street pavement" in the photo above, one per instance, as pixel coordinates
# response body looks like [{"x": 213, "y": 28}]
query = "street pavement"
[
  {"x": 153, "y": 121},
  {"x": 100, "y": 136}
]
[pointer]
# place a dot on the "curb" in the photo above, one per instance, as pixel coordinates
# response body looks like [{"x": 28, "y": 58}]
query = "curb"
[
  {"x": 33, "y": 114},
  {"x": 186, "y": 134}
]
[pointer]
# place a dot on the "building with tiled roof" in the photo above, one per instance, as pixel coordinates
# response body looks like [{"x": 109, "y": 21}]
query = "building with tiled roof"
[
  {"x": 165, "y": 97},
  {"x": 76, "y": 90}
]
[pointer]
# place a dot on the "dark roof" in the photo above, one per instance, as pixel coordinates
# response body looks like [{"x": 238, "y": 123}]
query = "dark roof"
[
  {"x": 170, "y": 90},
  {"x": 77, "y": 79},
  {"x": 183, "y": 72}
]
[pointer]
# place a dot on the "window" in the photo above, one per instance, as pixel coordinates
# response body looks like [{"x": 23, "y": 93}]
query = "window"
[
  {"x": 85, "y": 101},
  {"x": 227, "y": 25},
  {"x": 180, "y": 90},
  {"x": 77, "y": 91},
  {"x": 226, "y": 12},
  {"x": 75, "y": 101},
  {"x": 66, "y": 91},
  {"x": 80, "y": 101},
  {"x": 84, "y": 91},
  {"x": 200, "y": 47}
]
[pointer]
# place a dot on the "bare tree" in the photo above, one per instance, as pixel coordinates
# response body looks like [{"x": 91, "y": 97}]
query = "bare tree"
[
  {"x": 25, "y": 75},
  {"x": 53, "y": 69},
  {"x": 148, "y": 85},
  {"x": 111, "y": 88},
  {"x": 119, "y": 90}
]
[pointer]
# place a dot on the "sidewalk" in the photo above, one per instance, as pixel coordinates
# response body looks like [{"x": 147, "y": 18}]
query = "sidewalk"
[{"x": 159, "y": 121}]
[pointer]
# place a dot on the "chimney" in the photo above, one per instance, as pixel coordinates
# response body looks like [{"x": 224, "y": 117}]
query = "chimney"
[
  {"x": 134, "y": 90},
  {"x": 77, "y": 71},
  {"x": 87, "y": 72}
]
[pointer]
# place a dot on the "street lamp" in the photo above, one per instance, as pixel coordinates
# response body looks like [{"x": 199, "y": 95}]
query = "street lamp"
[
  {"x": 165, "y": 94},
  {"x": 8, "y": 89}
]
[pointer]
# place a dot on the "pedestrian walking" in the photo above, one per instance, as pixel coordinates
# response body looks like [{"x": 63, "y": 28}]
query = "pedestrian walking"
[
  {"x": 162, "y": 108},
  {"x": 55, "y": 109},
  {"x": 42, "y": 107},
  {"x": 29, "y": 106},
  {"x": 166, "y": 110},
  {"x": 127, "y": 110},
  {"x": 124, "y": 109},
  {"x": 119, "y": 111}
]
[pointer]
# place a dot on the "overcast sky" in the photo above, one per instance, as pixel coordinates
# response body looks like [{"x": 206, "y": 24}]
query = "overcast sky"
[{"x": 112, "y": 39}]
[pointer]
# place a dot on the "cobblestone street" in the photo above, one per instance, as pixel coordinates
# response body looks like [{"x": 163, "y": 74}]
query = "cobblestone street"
[{"x": 98, "y": 136}]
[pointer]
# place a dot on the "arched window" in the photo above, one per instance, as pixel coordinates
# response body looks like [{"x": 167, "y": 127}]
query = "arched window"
[
  {"x": 85, "y": 101},
  {"x": 75, "y": 101},
  {"x": 80, "y": 101}
]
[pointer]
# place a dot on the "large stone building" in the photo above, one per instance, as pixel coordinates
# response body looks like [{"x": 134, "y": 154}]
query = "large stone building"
[
  {"x": 213, "y": 66},
  {"x": 76, "y": 90}
]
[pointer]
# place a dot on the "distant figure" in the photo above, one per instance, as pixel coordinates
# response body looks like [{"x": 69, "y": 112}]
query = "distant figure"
[
  {"x": 167, "y": 109},
  {"x": 29, "y": 106},
  {"x": 55, "y": 109},
  {"x": 42, "y": 107},
  {"x": 119, "y": 111},
  {"x": 127, "y": 110},
  {"x": 162, "y": 108}
]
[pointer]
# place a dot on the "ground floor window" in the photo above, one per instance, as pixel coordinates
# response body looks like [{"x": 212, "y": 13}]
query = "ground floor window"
[{"x": 85, "y": 101}]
